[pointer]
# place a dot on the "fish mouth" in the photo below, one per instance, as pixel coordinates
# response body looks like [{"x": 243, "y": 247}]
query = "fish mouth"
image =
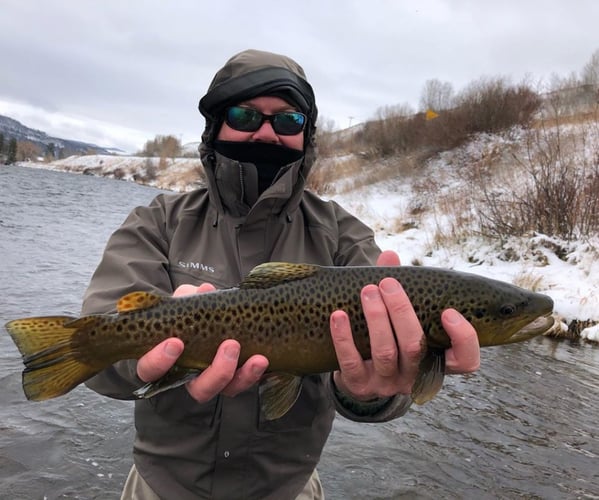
[{"x": 538, "y": 326}]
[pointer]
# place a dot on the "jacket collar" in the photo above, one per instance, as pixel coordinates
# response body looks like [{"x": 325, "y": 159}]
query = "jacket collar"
[{"x": 233, "y": 188}]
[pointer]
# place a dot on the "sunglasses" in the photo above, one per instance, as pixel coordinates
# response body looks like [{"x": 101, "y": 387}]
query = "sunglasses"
[{"x": 250, "y": 120}]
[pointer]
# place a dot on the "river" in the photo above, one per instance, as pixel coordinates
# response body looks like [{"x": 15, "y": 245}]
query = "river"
[{"x": 525, "y": 426}]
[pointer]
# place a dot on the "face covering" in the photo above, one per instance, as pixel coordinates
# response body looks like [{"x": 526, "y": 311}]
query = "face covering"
[{"x": 268, "y": 157}]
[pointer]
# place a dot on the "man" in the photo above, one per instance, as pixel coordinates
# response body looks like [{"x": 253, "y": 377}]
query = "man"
[{"x": 208, "y": 439}]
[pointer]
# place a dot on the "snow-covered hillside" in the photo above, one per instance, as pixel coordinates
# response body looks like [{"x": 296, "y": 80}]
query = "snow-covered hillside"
[{"x": 178, "y": 174}]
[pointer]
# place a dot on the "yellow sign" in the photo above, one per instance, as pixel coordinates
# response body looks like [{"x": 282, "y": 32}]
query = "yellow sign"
[{"x": 431, "y": 115}]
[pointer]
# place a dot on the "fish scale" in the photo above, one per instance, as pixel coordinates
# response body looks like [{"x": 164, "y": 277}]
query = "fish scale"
[{"x": 280, "y": 310}]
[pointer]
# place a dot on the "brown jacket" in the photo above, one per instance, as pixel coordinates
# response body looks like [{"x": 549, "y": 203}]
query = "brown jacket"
[{"x": 223, "y": 448}]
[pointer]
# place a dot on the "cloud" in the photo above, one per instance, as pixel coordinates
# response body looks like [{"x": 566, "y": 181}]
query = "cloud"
[
  {"x": 76, "y": 128},
  {"x": 137, "y": 69}
]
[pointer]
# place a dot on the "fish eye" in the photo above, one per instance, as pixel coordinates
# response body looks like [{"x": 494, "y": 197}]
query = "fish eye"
[{"x": 507, "y": 309}]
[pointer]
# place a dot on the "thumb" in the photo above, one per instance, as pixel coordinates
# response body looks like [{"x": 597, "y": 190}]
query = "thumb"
[{"x": 156, "y": 362}]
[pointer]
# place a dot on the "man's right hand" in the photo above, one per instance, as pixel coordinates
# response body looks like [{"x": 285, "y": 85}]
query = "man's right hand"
[{"x": 222, "y": 376}]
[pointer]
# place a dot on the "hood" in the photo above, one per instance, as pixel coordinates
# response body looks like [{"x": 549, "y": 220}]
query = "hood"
[{"x": 250, "y": 74}]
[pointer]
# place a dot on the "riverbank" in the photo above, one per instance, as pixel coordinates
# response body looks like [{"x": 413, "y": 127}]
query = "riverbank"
[{"x": 172, "y": 174}]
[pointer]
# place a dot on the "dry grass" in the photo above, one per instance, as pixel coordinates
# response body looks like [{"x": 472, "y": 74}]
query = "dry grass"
[
  {"x": 188, "y": 176},
  {"x": 580, "y": 118},
  {"x": 351, "y": 172},
  {"x": 530, "y": 281}
]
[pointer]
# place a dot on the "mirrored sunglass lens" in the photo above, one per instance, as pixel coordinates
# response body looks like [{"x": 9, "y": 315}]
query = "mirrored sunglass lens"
[
  {"x": 244, "y": 119},
  {"x": 288, "y": 123}
]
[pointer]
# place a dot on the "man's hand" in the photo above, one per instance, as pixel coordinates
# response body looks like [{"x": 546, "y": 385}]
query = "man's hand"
[
  {"x": 395, "y": 357},
  {"x": 222, "y": 376}
]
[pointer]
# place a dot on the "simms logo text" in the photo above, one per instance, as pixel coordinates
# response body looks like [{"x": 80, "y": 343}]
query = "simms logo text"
[{"x": 196, "y": 265}]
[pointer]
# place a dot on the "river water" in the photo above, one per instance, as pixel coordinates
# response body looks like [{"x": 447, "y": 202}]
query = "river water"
[{"x": 525, "y": 426}]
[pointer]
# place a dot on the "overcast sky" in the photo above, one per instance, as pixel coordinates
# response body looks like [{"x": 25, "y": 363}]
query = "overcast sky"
[{"x": 119, "y": 73}]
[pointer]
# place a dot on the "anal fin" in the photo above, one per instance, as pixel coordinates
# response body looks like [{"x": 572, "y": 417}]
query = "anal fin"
[
  {"x": 429, "y": 380},
  {"x": 278, "y": 393}
]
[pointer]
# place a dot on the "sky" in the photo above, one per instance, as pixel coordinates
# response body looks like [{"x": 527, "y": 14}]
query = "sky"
[{"x": 117, "y": 74}]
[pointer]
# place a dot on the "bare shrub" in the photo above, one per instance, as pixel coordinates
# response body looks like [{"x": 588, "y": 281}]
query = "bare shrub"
[
  {"x": 162, "y": 163},
  {"x": 162, "y": 145},
  {"x": 554, "y": 189},
  {"x": 488, "y": 105},
  {"x": 493, "y": 104},
  {"x": 118, "y": 173},
  {"x": 391, "y": 132},
  {"x": 28, "y": 150},
  {"x": 326, "y": 138},
  {"x": 436, "y": 96},
  {"x": 590, "y": 72},
  {"x": 150, "y": 171}
]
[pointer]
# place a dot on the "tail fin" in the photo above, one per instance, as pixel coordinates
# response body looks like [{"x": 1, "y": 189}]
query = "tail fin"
[{"x": 51, "y": 365}]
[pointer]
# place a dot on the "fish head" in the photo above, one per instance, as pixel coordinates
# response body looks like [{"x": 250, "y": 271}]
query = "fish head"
[{"x": 505, "y": 314}]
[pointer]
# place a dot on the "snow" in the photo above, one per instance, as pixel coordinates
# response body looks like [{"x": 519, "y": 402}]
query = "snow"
[
  {"x": 591, "y": 333},
  {"x": 572, "y": 284},
  {"x": 175, "y": 174},
  {"x": 430, "y": 236}
]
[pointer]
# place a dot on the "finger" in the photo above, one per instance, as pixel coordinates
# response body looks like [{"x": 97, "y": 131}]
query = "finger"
[
  {"x": 184, "y": 290},
  {"x": 388, "y": 258},
  {"x": 206, "y": 287},
  {"x": 248, "y": 375},
  {"x": 351, "y": 365},
  {"x": 383, "y": 347},
  {"x": 156, "y": 362},
  {"x": 464, "y": 354},
  {"x": 218, "y": 375},
  {"x": 408, "y": 331},
  {"x": 187, "y": 289}
]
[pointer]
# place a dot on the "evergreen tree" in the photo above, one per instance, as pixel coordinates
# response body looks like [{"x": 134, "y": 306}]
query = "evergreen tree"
[
  {"x": 50, "y": 152},
  {"x": 1, "y": 143},
  {"x": 12, "y": 151}
]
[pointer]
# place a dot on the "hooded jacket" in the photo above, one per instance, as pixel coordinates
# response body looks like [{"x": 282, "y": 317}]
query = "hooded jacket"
[{"x": 224, "y": 448}]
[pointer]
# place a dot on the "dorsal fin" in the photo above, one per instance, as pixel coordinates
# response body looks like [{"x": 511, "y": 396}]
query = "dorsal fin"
[
  {"x": 135, "y": 301},
  {"x": 276, "y": 273}
]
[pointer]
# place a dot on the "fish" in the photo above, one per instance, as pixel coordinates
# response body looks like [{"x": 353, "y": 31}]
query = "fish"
[{"x": 281, "y": 310}]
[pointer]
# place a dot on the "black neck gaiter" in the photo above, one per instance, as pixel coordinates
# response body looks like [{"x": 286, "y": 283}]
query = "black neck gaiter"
[{"x": 268, "y": 158}]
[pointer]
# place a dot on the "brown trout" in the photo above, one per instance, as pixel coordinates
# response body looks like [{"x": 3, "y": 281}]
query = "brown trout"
[{"x": 280, "y": 310}]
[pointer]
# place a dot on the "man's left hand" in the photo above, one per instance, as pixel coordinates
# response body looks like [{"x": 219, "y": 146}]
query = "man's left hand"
[{"x": 395, "y": 356}]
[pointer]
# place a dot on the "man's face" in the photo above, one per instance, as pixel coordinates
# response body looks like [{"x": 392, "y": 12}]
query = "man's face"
[{"x": 269, "y": 105}]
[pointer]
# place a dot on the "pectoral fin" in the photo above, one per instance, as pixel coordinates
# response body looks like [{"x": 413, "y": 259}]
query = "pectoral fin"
[
  {"x": 430, "y": 376},
  {"x": 278, "y": 393},
  {"x": 175, "y": 377}
]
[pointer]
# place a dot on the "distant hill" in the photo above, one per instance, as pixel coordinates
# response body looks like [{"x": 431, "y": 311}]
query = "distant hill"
[{"x": 62, "y": 147}]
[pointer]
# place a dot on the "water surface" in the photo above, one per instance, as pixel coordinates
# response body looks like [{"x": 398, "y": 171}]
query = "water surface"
[{"x": 525, "y": 426}]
